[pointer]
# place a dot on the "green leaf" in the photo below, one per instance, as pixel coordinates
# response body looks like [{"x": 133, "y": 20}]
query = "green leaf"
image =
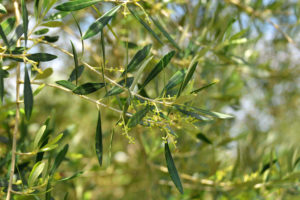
[
  {"x": 204, "y": 87},
  {"x": 41, "y": 57},
  {"x": 25, "y": 20},
  {"x": 38, "y": 137},
  {"x": 137, "y": 59},
  {"x": 8, "y": 25},
  {"x": 174, "y": 80},
  {"x": 98, "y": 144},
  {"x": 158, "y": 68},
  {"x": 41, "y": 31},
  {"x": 35, "y": 173},
  {"x": 145, "y": 25},
  {"x": 66, "y": 84},
  {"x": 203, "y": 138},
  {"x": 2, "y": 9},
  {"x": 75, "y": 61},
  {"x": 192, "y": 113},
  {"x": 59, "y": 158},
  {"x": 37, "y": 9},
  {"x": 50, "y": 39},
  {"x": 188, "y": 76},
  {"x": 39, "y": 89},
  {"x": 52, "y": 144},
  {"x": 164, "y": 32},
  {"x": 2, "y": 76},
  {"x": 76, "y": 5},
  {"x": 58, "y": 15},
  {"x": 72, "y": 177},
  {"x": 73, "y": 73},
  {"x": 117, "y": 90},
  {"x": 28, "y": 97},
  {"x": 88, "y": 88},
  {"x": 46, "y": 73},
  {"x": 138, "y": 117},
  {"x": 52, "y": 24},
  {"x": 172, "y": 169},
  {"x": 98, "y": 25},
  {"x": 4, "y": 38},
  {"x": 213, "y": 113}
]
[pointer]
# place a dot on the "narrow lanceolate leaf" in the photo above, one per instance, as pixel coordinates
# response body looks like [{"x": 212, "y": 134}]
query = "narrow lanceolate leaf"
[
  {"x": 2, "y": 9},
  {"x": 52, "y": 24},
  {"x": 138, "y": 117},
  {"x": 59, "y": 158},
  {"x": 4, "y": 38},
  {"x": 117, "y": 90},
  {"x": 137, "y": 59},
  {"x": 8, "y": 25},
  {"x": 174, "y": 80},
  {"x": 38, "y": 137},
  {"x": 73, "y": 73},
  {"x": 172, "y": 169},
  {"x": 187, "y": 77},
  {"x": 164, "y": 32},
  {"x": 35, "y": 172},
  {"x": 50, "y": 39},
  {"x": 76, "y": 5},
  {"x": 41, "y": 57},
  {"x": 25, "y": 20},
  {"x": 213, "y": 113},
  {"x": 76, "y": 62},
  {"x": 88, "y": 88},
  {"x": 1, "y": 83},
  {"x": 204, "y": 87},
  {"x": 36, "y": 8},
  {"x": 99, "y": 145},
  {"x": 98, "y": 25},
  {"x": 71, "y": 177},
  {"x": 145, "y": 25},
  {"x": 203, "y": 138},
  {"x": 28, "y": 96},
  {"x": 66, "y": 84},
  {"x": 41, "y": 31},
  {"x": 158, "y": 68}
]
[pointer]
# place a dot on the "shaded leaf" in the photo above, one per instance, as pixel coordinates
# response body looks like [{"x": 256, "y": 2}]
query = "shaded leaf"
[
  {"x": 75, "y": 61},
  {"x": 2, "y": 9},
  {"x": 138, "y": 117},
  {"x": 191, "y": 113},
  {"x": 174, "y": 80},
  {"x": 145, "y": 25},
  {"x": 59, "y": 158},
  {"x": 88, "y": 88},
  {"x": 98, "y": 139},
  {"x": 172, "y": 169},
  {"x": 8, "y": 25},
  {"x": 187, "y": 77},
  {"x": 137, "y": 59},
  {"x": 35, "y": 173},
  {"x": 164, "y": 32},
  {"x": 2, "y": 76},
  {"x": 117, "y": 90},
  {"x": 28, "y": 97},
  {"x": 25, "y": 20},
  {"x": 76, "y": 5},
  {"x": 73, "y": 73},
  {"x": 46, "y": 73},
  {"x": 41, "y": 57},
  {"x": 98, "y": 25},
  {"x": 158, "y": 67},
  {"x": 41, "y": 31},
  {"x": 66, "y": 84},
  {"x": 204, "y": 87},
  {"x": 72, "y": 177},
  {"x": 51, "y": 39},
  {"x": 4, "y": 38},
  {"x": 203, "y": 138},
  {"x": 18, "y": 33}
]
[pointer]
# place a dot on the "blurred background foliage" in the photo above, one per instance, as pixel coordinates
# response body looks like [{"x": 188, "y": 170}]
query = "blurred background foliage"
[{"x": 249, "y": 49}]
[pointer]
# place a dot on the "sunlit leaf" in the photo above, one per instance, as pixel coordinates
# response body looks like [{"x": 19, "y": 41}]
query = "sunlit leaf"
[
  {"x": 98, "y": 25},
  {"x": 88, "y": 88},
  {"x": 137, "y": 59},
  {"x": 8, "y": 25},
  {"x": 4, "y": 38},
  {"x": 66, "y": 84},
  {"x": 145, "y": 25},
  {"x": 98, "y": 140},
  {"x": 25, "y": 20},
  {"x": 28, "y": 96},
  {"x": 138, "y": 117},
  {"x": 172, "y": 169},
  {"x": 158, "y": 67},
  {"x": 58, "y": 15},
  {"x": 41, "y": 31},
  {"x": 38, "y": 137},
  {"x": 46, "y": 73},
  {"x": 76, "y": 5},
  {"x": 52, "y": 24},
  {"x": 59, "y": 158},
  {"x": 2, "y": 9},
  {"x": 35, "y": 173}
]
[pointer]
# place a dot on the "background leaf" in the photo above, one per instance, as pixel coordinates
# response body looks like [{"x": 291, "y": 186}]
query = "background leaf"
[
  {"x": 76, "y": 5},
  {"x": 28, "y": 97},
  {"x": 98, "y": 140}
]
